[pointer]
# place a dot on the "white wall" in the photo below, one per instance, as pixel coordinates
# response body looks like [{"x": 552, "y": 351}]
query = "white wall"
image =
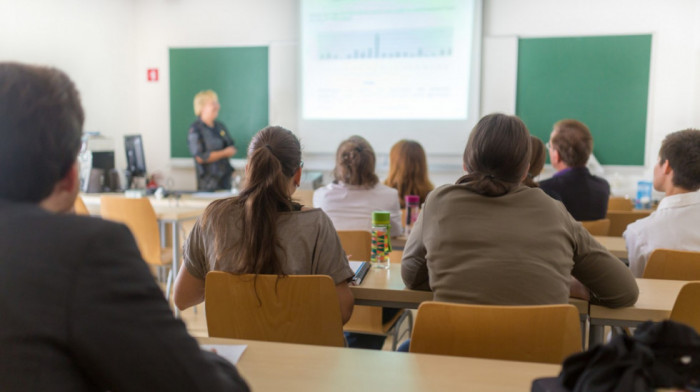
[
  {"x": 93, "y": 42},
  {"x": 106, "y": 46}
]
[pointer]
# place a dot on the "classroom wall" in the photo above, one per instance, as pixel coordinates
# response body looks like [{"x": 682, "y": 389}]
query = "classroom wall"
[
  {"x": 107, "y": 46},
  {"x": 93, "y": 42}
]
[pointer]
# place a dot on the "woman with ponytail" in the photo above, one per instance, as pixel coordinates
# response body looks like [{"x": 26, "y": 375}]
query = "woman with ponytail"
[
  {"x": 262, "y": 231},
  {"x": 488, "y": 239}
]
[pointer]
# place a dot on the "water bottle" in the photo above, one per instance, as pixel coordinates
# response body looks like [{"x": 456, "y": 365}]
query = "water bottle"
[
  {"x": 643, "y": 195},
  {"x": 381, "y": 239},
  {"x": 412, "y": 210}
]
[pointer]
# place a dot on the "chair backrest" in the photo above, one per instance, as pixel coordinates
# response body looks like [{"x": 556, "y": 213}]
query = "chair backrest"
[
  {"x": 138, "y": 215},
  {"x": 686, "y": 310},
  {"x": 673, "y": 265},
  {"x": 304, "y": 197},
  {"x": 597, "y": 227},
  {"x": 617, "y": 203},
  {"x": 356, "y": 243},
  {"x": 620, "y": 219},
  {"x": 543, "y": 333},
  {"x": 80, "y": 207},
  {"x": 293, "y": 309}
]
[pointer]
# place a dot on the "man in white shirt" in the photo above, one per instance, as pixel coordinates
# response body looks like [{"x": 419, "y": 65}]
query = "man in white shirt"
[{"x": 674, "y": 224}]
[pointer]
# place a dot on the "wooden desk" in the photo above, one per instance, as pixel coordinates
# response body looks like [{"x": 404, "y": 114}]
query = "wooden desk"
[
  {"x": 616, "y": 245},
  {"x": 386, "y": 288},
  {"x": 656, "y": 299},
  {"x": 268, "y": 366}
]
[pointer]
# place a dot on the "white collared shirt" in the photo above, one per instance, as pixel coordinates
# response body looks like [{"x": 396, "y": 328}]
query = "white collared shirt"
[
  {"x": 350, "y": 207},
  {"x": 674, "y": 225}
]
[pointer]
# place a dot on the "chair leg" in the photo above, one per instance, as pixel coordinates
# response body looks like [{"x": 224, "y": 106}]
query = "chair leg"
[
  {"x": 169, "y": 285},
  {"x": 396, "y": 330}
]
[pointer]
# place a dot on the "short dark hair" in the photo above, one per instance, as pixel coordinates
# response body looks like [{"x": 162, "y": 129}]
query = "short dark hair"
[
  {"x": 355, "y": 162},
  {"x": 41, "y": 122},
  {"x": 682, "y": 150},
  {"x": 573, "y": 141},
  {"x": 497, "y": 155}
]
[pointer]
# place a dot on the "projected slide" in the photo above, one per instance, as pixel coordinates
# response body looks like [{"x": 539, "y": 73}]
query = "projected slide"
[{"x": 386, "y": 60}]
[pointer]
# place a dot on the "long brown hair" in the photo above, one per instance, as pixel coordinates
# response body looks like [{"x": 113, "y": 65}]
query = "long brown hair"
[
  {"x": 274, "y": 156},
  {"x": 497, "y": 155},
  {"x": 537, "y": 158},
  {"x": 355, "y": 162},
  {"x": 408, "y": 170}
]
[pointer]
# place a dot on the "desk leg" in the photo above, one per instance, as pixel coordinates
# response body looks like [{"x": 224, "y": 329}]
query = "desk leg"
[
  {"x": 595, "y": 335},
  {"x": 176, "y": 253}
]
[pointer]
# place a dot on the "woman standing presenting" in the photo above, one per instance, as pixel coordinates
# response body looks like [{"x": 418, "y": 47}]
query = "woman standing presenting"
[{"x": 210, "y": 144}]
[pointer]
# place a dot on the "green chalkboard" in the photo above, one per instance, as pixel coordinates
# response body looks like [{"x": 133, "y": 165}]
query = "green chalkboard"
[
  {"x": 240, "y": 78},
  {"x": 602, "y": 81}
]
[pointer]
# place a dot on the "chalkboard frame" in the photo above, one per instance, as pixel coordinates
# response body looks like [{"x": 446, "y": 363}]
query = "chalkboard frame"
[{"x": 239, "y": 76}]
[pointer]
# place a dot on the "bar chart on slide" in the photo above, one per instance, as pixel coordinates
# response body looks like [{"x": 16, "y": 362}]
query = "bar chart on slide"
[{"x": 402, "y": 43}]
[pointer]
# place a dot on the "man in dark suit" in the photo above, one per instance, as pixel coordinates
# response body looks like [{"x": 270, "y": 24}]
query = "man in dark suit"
[
  {"x": 584, "y": 195},
  {"x": 79, "y": 309}
]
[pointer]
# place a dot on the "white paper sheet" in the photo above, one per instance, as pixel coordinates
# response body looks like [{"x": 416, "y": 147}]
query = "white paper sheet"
[{"x": 232, "y": 352}]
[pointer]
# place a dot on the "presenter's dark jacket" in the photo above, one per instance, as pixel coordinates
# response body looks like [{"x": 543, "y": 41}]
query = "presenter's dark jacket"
[
  {"x": 202, "y": 140},
  {"x": 80, "y": 311},
  {"x": 584, "y": 195}
]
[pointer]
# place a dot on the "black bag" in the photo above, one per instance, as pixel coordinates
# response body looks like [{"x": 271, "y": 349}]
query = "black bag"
[{"x": 660, "y": 355}]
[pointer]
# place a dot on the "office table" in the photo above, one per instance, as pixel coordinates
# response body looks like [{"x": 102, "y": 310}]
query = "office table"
[
  {"x": 269, "y": 366},
  {"x": 656, "y": 299}
]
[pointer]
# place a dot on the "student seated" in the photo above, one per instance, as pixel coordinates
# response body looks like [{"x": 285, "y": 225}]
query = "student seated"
[
  {"x": 674, "y": 223},
  {"x": 79, "y": 308},
  {"x": 262, "y": 231},
  {"x": 350, "y": 199},
  {"x": 584, "y": 195},
  {"x": 537, "y": 158},
  {"x": 488, "y": 239},
  {"x": 408, "y": 171}
]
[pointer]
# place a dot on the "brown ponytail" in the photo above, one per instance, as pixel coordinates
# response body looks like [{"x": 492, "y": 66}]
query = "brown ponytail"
[
  {"x": 497, "y": 155},
  {"x": 274, "y": 156}
]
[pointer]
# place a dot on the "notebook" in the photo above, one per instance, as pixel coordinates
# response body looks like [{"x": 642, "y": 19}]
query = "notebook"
[{"x": 360, "y": 269}]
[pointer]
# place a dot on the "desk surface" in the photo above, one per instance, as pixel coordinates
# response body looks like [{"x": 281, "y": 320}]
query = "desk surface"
[
  {"x": 656, "y": 299},
  {"x": 386, "y": 288},
  {"x": 269, "y": 366},
  {"x": 616, "y": 245},
  {"x": 169, "y": 209}
]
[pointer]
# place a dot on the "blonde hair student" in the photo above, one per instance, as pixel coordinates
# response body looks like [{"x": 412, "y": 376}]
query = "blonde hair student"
[
  {"x": 408, "y": 170},
  {"x": 262, "y": 231}
]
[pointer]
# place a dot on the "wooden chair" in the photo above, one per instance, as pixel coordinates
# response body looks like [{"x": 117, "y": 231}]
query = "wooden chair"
[
  {"x": 545, "y": 333},
  {"x": 79, "y": 207},
  {"x": 138, "y": 215},
  {"x": 597, "y": 227},
  {"x": 673, "y": 265},
  {"x": 304, "y": 197},
  {"x": 686, "y": 309},
  {"x": 292, "y": 309},
  {"x": 617, "y": 203},
  {"x": 620, "y": 219},
  {"x": 368, "y": 319},
  {"x": 356, "y": 243}
]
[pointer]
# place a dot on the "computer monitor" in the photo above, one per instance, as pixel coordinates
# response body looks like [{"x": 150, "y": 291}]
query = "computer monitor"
[{"x": 135, "y": 160}]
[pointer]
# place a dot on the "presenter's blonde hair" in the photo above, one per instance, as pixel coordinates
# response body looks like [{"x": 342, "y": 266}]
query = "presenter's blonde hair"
[{"x": 202, "y": 98}]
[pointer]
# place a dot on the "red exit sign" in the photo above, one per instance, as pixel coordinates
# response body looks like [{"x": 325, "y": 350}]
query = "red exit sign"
[{"x": 152, "y": 75}]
